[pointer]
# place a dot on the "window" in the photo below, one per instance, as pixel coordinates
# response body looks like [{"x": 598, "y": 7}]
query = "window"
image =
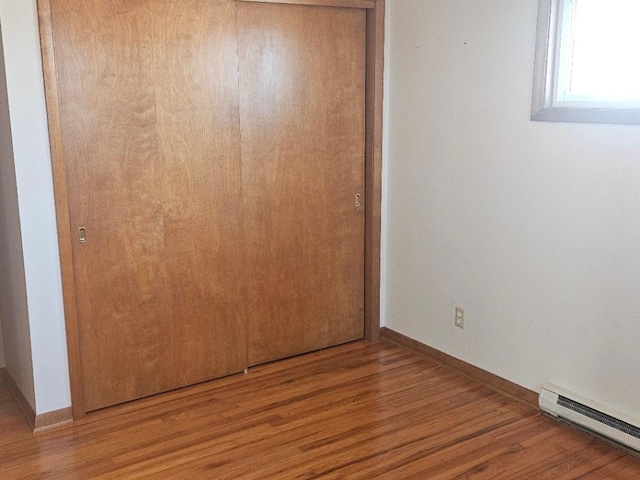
[{"x": 587, "y": 62}]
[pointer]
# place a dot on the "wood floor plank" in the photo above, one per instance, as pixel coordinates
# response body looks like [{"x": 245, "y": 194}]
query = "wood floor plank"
[{"x": 358, "y": 411}]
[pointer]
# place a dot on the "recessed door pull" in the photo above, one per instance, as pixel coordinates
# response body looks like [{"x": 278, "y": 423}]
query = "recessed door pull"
[{"x": 82, "y": 234}]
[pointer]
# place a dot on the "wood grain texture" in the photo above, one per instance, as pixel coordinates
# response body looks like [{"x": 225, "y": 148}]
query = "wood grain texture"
[
  {"x": 149, "y": 119},
  {"x": 302, "y": 104},
  {"x": 486, "y": 378},
  {"x": 198, "y": 129},
  {"x": 322, "y": 3},
  {"x": 55, "y": 419},
  {"x": 373, "y": 171},
  {"x": 12, "y": 388},
  {"x": 170, "y": 139},
  {"x": 61, "y": 191},
  {"x": 359, "y": 411}
]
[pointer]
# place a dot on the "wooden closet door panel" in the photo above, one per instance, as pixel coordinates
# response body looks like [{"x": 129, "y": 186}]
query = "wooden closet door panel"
[
  {"x": 302, "y": 110},
  {"x": 149, "y": 114},
  {"x": 198, "y": 128}
]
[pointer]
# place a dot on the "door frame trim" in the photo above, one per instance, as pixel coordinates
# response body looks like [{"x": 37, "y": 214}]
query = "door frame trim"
[
  {"x": 373, "y": 169},
  {"x": 60, "y": 189},
  {"x": 373, "y": 179}
]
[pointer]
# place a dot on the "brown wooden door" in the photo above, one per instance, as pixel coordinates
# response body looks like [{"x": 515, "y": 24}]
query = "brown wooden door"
[
  {"x": 148, "y": 93},
  {"x": 302, "y": 110}
]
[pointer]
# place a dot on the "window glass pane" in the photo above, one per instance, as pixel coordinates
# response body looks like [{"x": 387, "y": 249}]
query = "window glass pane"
[{"x": 602, "y": 52}]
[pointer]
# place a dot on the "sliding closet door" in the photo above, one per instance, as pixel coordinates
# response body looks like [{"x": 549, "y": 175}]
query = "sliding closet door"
[
  {"x": 302, "y": 109},
  {"x": 148, "y": 95}
]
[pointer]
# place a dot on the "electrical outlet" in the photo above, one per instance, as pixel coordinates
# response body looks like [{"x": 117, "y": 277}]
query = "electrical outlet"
[{"x": 459, "y": 317}]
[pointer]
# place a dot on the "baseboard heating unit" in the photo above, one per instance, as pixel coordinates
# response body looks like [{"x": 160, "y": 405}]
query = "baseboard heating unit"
[{"x": 591, "y": 416}]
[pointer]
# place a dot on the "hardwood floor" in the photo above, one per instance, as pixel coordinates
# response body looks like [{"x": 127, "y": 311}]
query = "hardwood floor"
[{"x": 360, "y": 411}]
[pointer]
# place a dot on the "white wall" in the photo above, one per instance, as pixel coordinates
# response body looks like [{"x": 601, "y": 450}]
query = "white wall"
[
  {"x": 35, "y": 198},
  {"x": 13, "y": 293},
  {"x": 533, "y": 228}
]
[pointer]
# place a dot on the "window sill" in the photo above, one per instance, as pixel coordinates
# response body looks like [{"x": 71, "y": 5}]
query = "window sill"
[{"x": 587, "y": 115}]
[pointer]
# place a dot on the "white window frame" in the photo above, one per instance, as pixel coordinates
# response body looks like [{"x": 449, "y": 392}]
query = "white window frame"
[{"x": 543, "y": 107}]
